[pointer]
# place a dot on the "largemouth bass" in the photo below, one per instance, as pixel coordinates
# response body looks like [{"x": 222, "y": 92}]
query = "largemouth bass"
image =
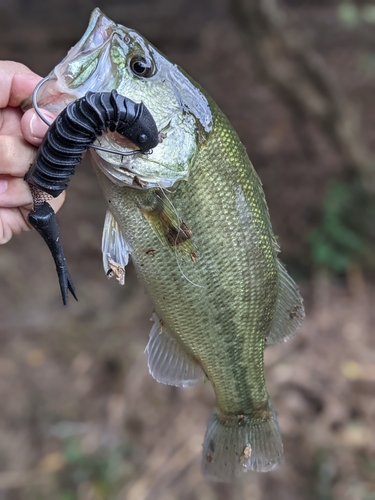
[{"x": 194, "y": 219}]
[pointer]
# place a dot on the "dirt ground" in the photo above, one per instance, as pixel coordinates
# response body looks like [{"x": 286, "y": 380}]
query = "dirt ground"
[{"x": 80, "y": 417}]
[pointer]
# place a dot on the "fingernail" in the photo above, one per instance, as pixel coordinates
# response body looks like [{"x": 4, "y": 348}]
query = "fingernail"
[
  {"x": 3, "y": 186},
  {"x": 38, "y": 127}
]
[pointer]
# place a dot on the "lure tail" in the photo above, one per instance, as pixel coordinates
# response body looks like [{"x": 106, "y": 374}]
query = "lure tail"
[
  {"x": 237, "y": 443},
  {"x": 43, "y": 219}
]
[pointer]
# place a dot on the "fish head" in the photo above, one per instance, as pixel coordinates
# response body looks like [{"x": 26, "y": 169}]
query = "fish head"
[{"x": 111, "y": 56}]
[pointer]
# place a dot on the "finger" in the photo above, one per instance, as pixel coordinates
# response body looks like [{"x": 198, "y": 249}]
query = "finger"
[
  {"x": 12, "y": 221},
  {"x": 10, "y": 121},
  {"x": 56, "y": 203},
  {"x": 33, "y": 128},
  {"x": 17, "y": 83},
  {"x": 16, "y": 155},
  {"x": 14, "y": 193}
]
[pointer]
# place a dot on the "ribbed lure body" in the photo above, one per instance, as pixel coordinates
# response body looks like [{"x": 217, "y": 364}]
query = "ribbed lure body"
[{"x": 76, "y": 129}]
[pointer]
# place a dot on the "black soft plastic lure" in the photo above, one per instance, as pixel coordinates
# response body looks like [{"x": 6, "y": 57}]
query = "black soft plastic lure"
[{"x": 70, "y": 135}]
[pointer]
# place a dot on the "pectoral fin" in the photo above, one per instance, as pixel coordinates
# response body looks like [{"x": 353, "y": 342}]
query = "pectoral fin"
[
  {"x": 170, "y": 228},
  {"x": 168, "y": 363},
  {"x": 115, "y": 250}
]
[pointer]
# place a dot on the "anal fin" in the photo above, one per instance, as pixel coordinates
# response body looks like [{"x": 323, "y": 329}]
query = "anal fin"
[
  {"x": 167, "y": 361},
  {"x": 289, "y": 311}
]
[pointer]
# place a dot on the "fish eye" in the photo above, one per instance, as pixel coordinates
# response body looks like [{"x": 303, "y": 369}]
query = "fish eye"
[{"x": 141, "y": 67}]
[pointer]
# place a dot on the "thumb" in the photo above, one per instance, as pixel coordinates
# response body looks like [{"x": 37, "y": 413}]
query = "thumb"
[{"x": 33, "y": 128}]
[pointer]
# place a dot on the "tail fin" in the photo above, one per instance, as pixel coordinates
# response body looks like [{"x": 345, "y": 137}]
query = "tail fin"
[{"x": 235, "y": 444}]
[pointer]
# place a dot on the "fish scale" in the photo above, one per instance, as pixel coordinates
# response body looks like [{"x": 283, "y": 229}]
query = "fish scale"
[{"x": 225, "y": 309}]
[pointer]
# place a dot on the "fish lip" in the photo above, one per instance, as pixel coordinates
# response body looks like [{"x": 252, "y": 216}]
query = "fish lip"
[
  {"x": 98, "y": 35},
  {"x": 124, "y": 175},
  {"x": 99, "y": 24},
  {"x": 120, "y": 174},
  {"x": 96, "y": 40}
]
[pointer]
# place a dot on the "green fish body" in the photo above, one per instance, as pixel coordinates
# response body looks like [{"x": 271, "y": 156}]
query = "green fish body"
[{"x": 193, "y": 217}]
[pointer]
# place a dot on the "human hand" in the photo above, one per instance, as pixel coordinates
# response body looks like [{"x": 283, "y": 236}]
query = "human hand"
[{"x": 20, "y": 135}]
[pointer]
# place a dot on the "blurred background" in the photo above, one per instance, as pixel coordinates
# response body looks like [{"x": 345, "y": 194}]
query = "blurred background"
[{"x": 80, "y": 417}]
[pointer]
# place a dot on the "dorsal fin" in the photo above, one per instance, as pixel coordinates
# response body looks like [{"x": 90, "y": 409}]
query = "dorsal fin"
[{"x": 289, "y": 311}]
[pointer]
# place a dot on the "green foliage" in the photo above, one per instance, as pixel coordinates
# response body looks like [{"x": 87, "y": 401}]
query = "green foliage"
[
  {"x": 366, "y": 64},
  {"x": 350, "y": 15},
  {"x": 343, "y": 237},
  {"x": 101, "y": 470},
  {"x": 368, "y": 13},
  {"x": 67, "y": 496},
  {"x": 325, "y": 472}
]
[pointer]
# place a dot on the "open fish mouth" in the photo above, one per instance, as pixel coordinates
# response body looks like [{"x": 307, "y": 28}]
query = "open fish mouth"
[
  {"x": 123, "y": 174},
  {"x": 121, "y": 165},
  {"x": 120, "y": 169},
  {"x": 78, "y": 72}
]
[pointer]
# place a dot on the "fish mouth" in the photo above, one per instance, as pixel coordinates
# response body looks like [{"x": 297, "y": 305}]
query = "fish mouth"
[
  {"x": 121, "y": 165},
  {"x": 85, "y": 57},
  {"x": 124, "y": 174},
  {"x": 121, "y": 172},
  {"x": 97, "y": 34},
  {"x": 117, "y": 143},
  {"x": 122, "y": 161},
  {"x": 79, "y": 72},
  {"x": 117, "y": 159}
]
